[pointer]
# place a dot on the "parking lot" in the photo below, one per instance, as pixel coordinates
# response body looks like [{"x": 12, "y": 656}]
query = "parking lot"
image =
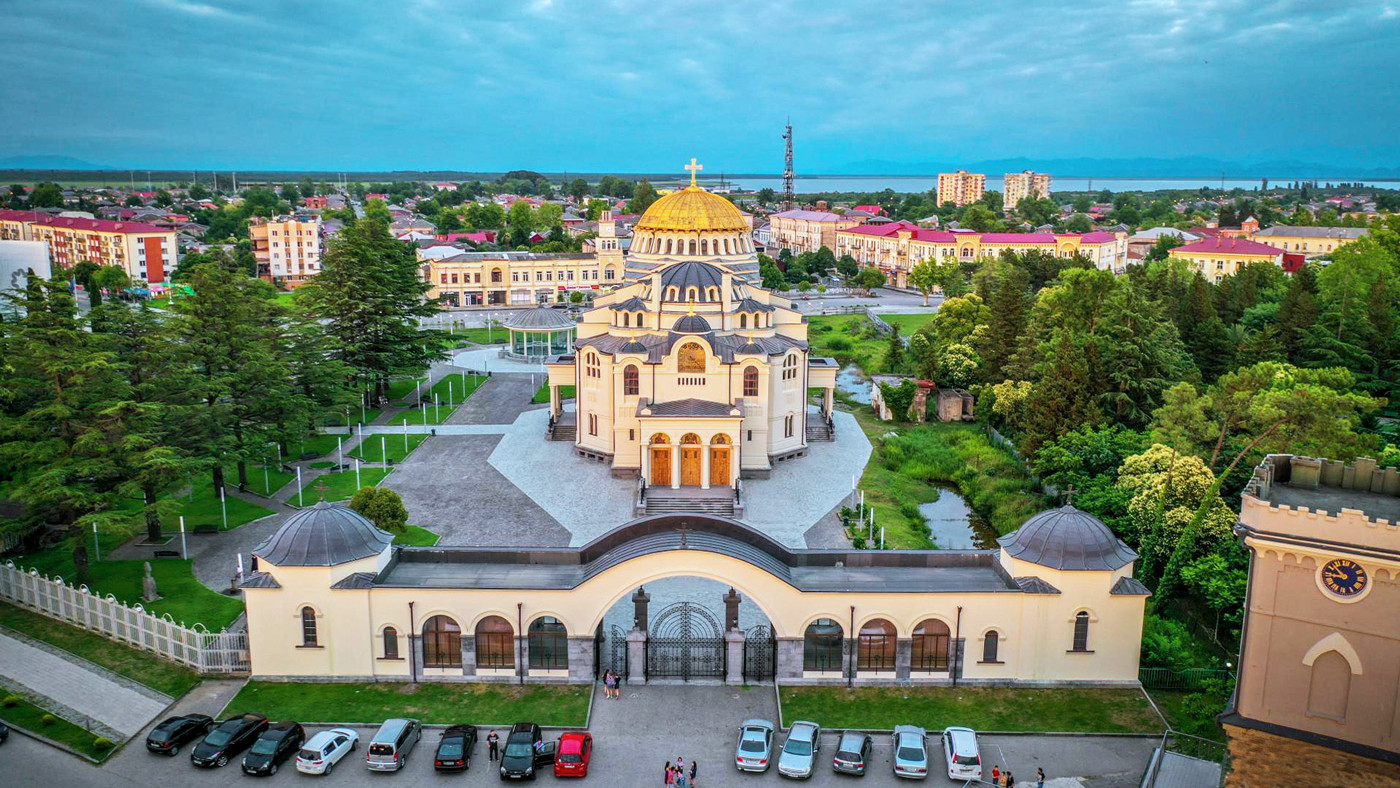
[{"x": 634, "y": 738}]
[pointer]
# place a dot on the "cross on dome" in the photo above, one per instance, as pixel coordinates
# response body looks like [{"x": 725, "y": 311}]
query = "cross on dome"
[{"x": 694, "y": 168}]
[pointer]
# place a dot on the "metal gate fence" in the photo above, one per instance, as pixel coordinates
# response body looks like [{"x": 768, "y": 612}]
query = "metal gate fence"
[
  {"x": 686, "y": 642},
  {"x": 760, "y": 654}
]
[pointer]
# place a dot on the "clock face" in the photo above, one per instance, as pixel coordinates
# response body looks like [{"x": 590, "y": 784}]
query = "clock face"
[{"x": 1344, "y": 577}]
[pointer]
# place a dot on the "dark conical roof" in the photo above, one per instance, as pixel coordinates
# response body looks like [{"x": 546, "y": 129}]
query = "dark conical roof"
[
  {"x": 692, "y": 274},
  {"x": 541, "y": 317},
  {"x": 692, "y": 324},
  {"x": 1067, "y": 539},
  {"x": 324, "y": 535}
]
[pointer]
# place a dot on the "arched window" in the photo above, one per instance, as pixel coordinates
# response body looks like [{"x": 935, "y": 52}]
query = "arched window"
[
  {"x": 593, "y": 424},
  {"x": 308, "y": 627},
  {"x": 930, "y": 647},
  {"x": 1081, "y": 631},
  {"x": 720, "y": 440},
  {"x": 692, "y": 293},
  {"x": 790, "y": 367},
  {"x": 1329, "y": 686},
  {"x": 549, "y": 644},
  {"x": 743, "y": 321},
  {"x": 495, "y": 644},
  {"x": 690, "y": 358},
  {"x": 821, "y": 646},
  {"x": 673, "y": 293},
  {"x": 631, "y": 382},
  {"x": 442, "y": 643},
  {"x": 712, "y": 293},
  {"x": 876, "y": 646},
  {"x": 626, "y": 320},
  {"x": 989, "y": 646},
  {"x": 690, "y": 438},
  {"x": 690, "y": 247},
  {"x": 750, "y": 381},
  {"x": 391, "y": 643}
]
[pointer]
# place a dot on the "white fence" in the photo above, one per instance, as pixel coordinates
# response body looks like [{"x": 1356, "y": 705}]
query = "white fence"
[{"x": 194, "y": 647}]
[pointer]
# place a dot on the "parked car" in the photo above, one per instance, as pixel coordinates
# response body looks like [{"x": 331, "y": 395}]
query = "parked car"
[
  {"x": 575, "y": 751},
  {"x": 388, "y": 750},
  {"x": 960, "y": 750},
  {"x": 279, "y": 742},
  {"x": 799, "y": 754},
  {"x": 755, "y": 746},
  {"x": 322, "y": 752},
  {"x": 910, "y": 752},
  {"x": 167, "y": 737},
  {"x": 526, "y": 751},
  {"x": 4, "y": 732},
  {"x": 234, "y": 735},
  {"x": 454, "y": 750},
  {"x": 852, "y": 753}
]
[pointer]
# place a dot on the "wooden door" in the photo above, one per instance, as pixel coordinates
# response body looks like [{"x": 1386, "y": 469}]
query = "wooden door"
[
  {"x": 690, "y": 466},
  {"x": 661, "y": 466},
  {"x": 719, "y": 466}
]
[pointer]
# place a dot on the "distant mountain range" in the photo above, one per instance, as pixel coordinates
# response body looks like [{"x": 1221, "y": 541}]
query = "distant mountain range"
[
  {"x": 48, "y": 163},
  {"x": 1189, "y": 167}
]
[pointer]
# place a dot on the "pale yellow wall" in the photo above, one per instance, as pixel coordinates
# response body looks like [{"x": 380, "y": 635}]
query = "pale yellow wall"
[
  {"x": 1218, "y": 265},
  {"x": 1307, "y": 245}
]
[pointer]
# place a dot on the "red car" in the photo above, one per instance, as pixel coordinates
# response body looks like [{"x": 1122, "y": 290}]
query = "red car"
[{"x": 575, "y": 750}]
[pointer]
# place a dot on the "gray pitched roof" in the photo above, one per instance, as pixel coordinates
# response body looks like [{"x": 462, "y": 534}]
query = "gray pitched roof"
[
  {"x": 750, "y": 305},
  {"x": 324, "y": 535},
  {"x": 687, "y": 407},
  {"x": 1340, "y": 233},
  {"x": 1130, "y": 586},
  {"x": 633, "y": 304},
  {"x": 356, "y": 580},
  {"x": 1067, "y": 539},
  {"x": 259, "y": 580},
  {"x": 1034, "y": 585},
  {"x": 657, "y": 346},
  {"x": 540, "y": 318}
]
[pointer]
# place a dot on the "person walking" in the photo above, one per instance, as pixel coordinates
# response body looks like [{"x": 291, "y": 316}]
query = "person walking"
[
  {"x": 996, "y": 775},
  {"x": 1010, "y": 780},
  {"x": 670, "y": 774},
  {"x": 493, "y": 745},
  {"x": 694, "y": 768},
  {"x": 1039, "y": 778},
  {"x": 681, "y": 782}
]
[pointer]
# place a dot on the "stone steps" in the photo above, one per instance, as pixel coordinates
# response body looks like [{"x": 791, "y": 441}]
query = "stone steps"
[
  {"x": 661, "y": 504},
  {"x": 819, "y": 433},
  {"x": 564, "y": 432}
]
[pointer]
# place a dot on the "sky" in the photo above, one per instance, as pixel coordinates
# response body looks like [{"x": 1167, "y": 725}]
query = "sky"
[{"x": 643, "y": 85}]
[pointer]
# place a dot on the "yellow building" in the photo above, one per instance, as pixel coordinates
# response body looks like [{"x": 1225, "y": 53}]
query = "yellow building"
[
  {"x": 147, "y": 253},
  {"x": 1020, "y": 185},
  {"x": 806, "y": 231},
  {"x": 1309, "y": 241},
  {"x": 1217, "y": 258},
  {"x": 961, "y": 187},
  {"x": 288, "y": 248}
]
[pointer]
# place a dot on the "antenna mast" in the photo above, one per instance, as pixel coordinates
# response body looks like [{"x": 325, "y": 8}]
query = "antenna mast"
[{"x": 788, "y": 200}]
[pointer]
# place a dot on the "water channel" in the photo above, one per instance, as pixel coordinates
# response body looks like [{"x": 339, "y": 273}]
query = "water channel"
[{"x": 954, "y": 524}]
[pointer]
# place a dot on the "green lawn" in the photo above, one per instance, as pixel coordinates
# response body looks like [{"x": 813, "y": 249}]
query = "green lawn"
[
  {"x": 339, "y": 486},
  {"x": 23, "y": 714},
  {"x": 414, "y": 536},
  {"x": 454, "y": 389},
  {"x": 430, "y": 702},
  {"x": 322, "y": 465},
  {"x": 908, "y": 324},
  {"x": 398, "y": 389},
  {"x": 496, "y": 336},
  {"x": 1192, "y": 713},
  {"x": 397, "y": 447},
  {"x": 205, "y": 508},
  {"x": 338, "y": 420},
  {"x": 435, "y": 415},
  {"x": 140, "y": 666},
  {"x": 318, "y": 445},
  {"x": 850, "y": 338},
  {"x": 260, "y": 482},
  {"x": 565, "y": 392},
  {"x": 981, "y": 708}
]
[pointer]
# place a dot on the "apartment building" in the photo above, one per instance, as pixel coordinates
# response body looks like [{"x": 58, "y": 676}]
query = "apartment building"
[
  {"x": 897, "y": 247},
  {"x": 288, "y": 248},
  {"x": 1020, "y": 185},
  {"x": 462, "y": 278},
  {"x": 807, "y": 231},
  {"x": 961, "y": 187},
  {"x": 1309, "y": 241},
  {"x": 146, "y": 252},
  {"x": 1217, "y": 258}
]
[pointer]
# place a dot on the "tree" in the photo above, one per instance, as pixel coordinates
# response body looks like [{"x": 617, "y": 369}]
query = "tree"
[
  {"x": 766, "y": 196},
  {"x": 1298, "y": 312},
  {"x": 521, "y": 217},
  {"x": 133, "y": 201},
  {"x": 163, "y": 198},
  {"x": 46, "y": 195},
  {"x": 1167, "y": 489},
  {"x": 924, "y": 277},
  {"x": 1062, "y": 400},
  {"x": 957, "y": 365},
  {"x": 871, "y": 279},
  {"x": 1079, "y": 223},
  {"x": 1008, "y": 302},
  {"x": 894, "y": 351},
  {"x": 377, "y": 211},
  {"x": 382, "y": 506},
  {"x": 980, "y": 218},
  {"x": 847, "y": 266},
  {"x": 773, "y": 278},
  {"x": 643, "y": 195},
  {"x": 1204, "y": 332},
  {"x": 578, "y": 189}
]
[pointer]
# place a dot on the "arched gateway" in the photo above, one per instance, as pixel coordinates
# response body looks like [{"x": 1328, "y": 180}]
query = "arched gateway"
[{"x": 1028, "y": 612}]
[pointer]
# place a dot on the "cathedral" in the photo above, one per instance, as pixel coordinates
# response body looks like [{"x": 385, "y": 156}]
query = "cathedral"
[{"x": 690, "y": 374}]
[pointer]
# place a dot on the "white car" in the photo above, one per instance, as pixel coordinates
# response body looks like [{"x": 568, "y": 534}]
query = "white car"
[
  {"x": 960, "y": 750},
  {"x": 322, "y": 752}
]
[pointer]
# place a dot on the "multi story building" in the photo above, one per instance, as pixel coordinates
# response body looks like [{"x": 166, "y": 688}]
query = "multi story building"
[
  {"x": 897, "y": 247},
  {"x": 288, "y": 248},
  {"x": 961, "y": 187},
  {"x": 806, "y": 231},
  {"x": 1309, "y": 241},
  {"x": 1217, "y": 258},
  {"x": 147, "y": 253},
  {"x": 1020, "y": 185},
  {"x": 1318, "y": 687}
]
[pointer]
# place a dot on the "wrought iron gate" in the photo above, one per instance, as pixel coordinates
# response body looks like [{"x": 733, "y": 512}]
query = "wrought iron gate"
[
  {"x": 685, "y": 642},
  {"x": 760, "y": 654},
  {"x": 610, "y": 651}
]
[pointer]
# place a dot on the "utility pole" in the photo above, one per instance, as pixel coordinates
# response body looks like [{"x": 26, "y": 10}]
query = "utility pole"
[{"x": 787, "y": 168}]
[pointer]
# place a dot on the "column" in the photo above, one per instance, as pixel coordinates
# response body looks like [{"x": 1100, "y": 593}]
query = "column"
[
  {"x": 903, "y": 658},
  {"x": 731, "y": 609},
  {"x": 637, "y": 657},
  {"x": 522, "y": 656},
  {"x": 828, "y": 402},
  {"x": 789, "y": 658},
  {"x": 675, "y": 466},
  {"x": 582, "y": 650},
  {"x": 468, "y": 645},
  {"x": 704, "y": 467},
  {"x": 554, "y": 401},
  {"x": 734, "y": 667}
]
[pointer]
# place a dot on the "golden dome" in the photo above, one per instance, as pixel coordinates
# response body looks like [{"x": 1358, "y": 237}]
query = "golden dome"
[{"x": 691, "y": 209}]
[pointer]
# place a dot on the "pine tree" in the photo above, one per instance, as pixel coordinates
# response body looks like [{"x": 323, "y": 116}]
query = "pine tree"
[
  {"x": 1008, "y": 304},
  {"x": 894, "y": 351},
  {"x": 1062, "y": 400},
  {"x": 1203, "y": 332},
  {"x": 1297, "y": 312}
]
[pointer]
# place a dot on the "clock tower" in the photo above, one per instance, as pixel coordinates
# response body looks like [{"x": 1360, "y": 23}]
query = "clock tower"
[{"x": 1319, "y": 680}]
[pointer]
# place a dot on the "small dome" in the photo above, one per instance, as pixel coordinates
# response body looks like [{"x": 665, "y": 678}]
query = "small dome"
[
  {"x": 540, "y": 318},
  {"x": 690, "y": 209},
  {"x": 1067, "y": 539},
  {"x": 692, "y": 324},
  {"x": 324, "y": 535},
  {"x": 683, "y": 276}
]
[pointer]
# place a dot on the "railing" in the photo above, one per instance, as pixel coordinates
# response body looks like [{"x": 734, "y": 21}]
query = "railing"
[
  {"x": 1188, "y": 679},
  {"x": 1185, "y": 757},
  {"x": 195, "y": 647}
]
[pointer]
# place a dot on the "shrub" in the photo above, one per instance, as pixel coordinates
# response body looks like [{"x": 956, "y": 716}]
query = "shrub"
[
  {"x": 838, "y": 343},
  {"x": 1167, "y": 644},
  {"x": 10, "y": 701},
  {"x": 47, "y": 720},
  {"x": 102, "y": 743}
]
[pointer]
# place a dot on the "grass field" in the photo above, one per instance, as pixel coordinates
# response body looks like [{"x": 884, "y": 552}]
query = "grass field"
[
  {"x": 22, "y": 714},
  {"x": 429, "y": 415},
  {"x": 139, "y": 666},
  {"x": 414, "y": 536},
  {"x": 980, "y": 708},
  {"x": 430, "y": 702},
  {"x": 480, "y": 336},
  {"x": 263, "y": 480},
  {"x": 318, "y": 445},
  {"x": 398, "y": 389},
  {"x": 908, "y": 324},
  {"x": 850, "y": 338},
  {"x": 370, "y": 414},
  {"x": 565, "y": 392},
  {"x": 393, "y": 445},
  {"x": 339, "y": 486},
  {"x": 454, "y": 389},
  {"x": 204, "y": 508}
]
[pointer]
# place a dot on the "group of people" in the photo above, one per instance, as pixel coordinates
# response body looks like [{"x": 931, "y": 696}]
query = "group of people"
[
  {"x": 1005, "y": 779},
  {"x": 612, "y": 684},
  {"x": 678, "y": 777}
]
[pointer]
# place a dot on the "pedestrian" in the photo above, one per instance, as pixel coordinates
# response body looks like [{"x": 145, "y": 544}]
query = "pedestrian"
[
  {"x": 996, "y": 775},
  {"x": 680, "y": 764},
  {"x": 1039, "y": 778},
  {"x": 694, "y": 768},
  {"x": 681, "y": 782},
  {"x": 611, "y": 681},
  {"x": 670, "y": 774},
  {"x": 493, "y": 744},
  {"x": 1010, "y": 780}
]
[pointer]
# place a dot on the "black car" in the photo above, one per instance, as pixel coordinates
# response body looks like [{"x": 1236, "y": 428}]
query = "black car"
[
  {"x": 454, "y": 750},
  {"x": 234, "y": 735},
  {"x": 526, "y": 751},
  {"x": 4, "y": 732},
  {"x": 167, "y": 737},
  {"x": 279, "y": 742}
]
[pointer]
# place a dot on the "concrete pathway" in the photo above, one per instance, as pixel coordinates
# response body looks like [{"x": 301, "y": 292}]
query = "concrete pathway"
[
  {"x": 488, "y": 357},
  {"x": 75, "y": 686},
  {"x": 803, "y": 491},
  {"x": 500, "y": 400}
]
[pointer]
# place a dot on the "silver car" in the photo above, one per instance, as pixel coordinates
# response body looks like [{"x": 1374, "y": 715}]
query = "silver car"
[
  {"x": 910, "y": 752},
  {"x": 800, "y": 750},
  {"x": 755, "y": 746}
]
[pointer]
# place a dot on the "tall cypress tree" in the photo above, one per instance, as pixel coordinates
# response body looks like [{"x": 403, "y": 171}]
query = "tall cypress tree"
[
  {"x": 1008, "y": 303},
  {"x": 1204, "y": 332},
  {"x": 1297, "y": 312}
]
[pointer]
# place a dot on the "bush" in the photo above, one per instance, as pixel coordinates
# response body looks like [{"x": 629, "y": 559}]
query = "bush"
[
  {"x": 47, "y": 720},
  {"x": 1167, "y": 644},
  {"x": 10, "y": 701},
  {"x": 838, "y": 343},
  {"x": 102, "y": 743}
]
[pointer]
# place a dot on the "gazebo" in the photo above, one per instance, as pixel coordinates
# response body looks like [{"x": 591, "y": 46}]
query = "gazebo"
[{"x": 536, "y": 334}]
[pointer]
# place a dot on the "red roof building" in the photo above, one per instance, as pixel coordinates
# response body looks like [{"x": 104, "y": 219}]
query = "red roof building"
[{"x": 146, "y": 252}]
